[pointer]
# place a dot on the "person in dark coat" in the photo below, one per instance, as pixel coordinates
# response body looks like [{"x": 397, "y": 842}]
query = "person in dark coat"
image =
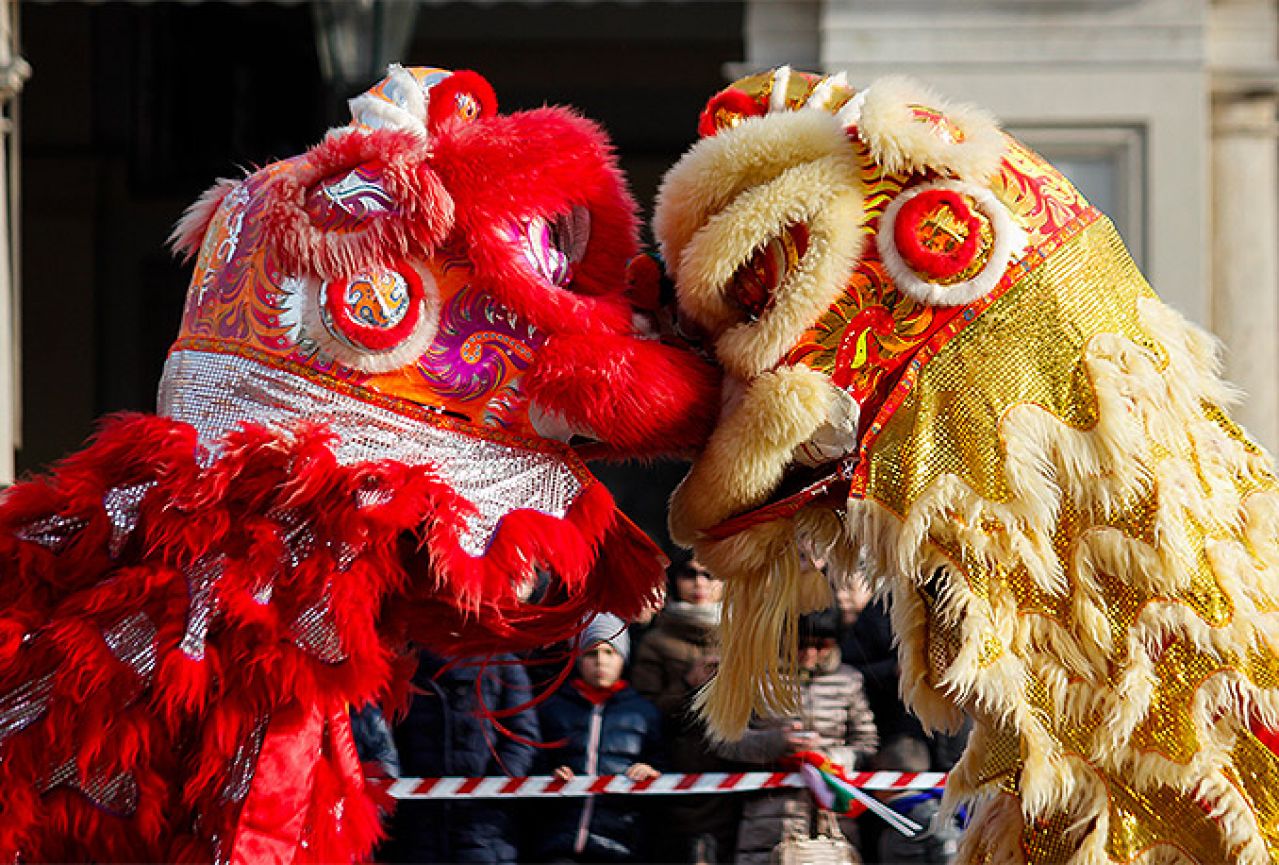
[
  {"x": 450, "y": 731},
  {"x": 679, "y": 655},
  {"x": 867, "y": 646},
  {"x": 598, "y": 725},
  {"x": 374, "y": 742}
]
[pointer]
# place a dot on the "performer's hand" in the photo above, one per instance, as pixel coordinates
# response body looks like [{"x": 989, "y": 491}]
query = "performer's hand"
[
  {"x": 641, "y": 772},
  {"x": 563, "y": 773}
]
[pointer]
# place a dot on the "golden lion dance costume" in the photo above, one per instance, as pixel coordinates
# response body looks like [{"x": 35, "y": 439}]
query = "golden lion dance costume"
[
  {"x": 937, "y": 351},
  {"x": 361, "y": 442}
]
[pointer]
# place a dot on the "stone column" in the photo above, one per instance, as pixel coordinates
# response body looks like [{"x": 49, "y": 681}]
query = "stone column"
[
  {"x": 1245, "y": 260},
  {"x": 13, "y": 71}
]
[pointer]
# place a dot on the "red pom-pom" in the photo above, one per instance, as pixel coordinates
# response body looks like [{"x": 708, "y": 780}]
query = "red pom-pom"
[
  {"x": 726, "y": 109},
  {"x": 461, "y": 98}
]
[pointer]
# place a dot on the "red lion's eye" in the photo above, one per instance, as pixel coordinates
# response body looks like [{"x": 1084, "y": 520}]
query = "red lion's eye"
[
  {"x": 375, "y": 310},
  {"x": 947, "y": 242},
  {"x": 467, "y": 106},
  {"x": 462, "y": 97},
  {"x": 942, "y": 236}
]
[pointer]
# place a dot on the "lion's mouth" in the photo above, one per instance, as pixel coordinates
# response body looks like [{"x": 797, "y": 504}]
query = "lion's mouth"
[{"x": 800, "y": 487}]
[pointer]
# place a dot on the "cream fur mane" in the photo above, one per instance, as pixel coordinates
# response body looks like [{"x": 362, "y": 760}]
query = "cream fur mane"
[
  {"x": 1161, "y": 500},
  {"x": 1153, "y": 440}
]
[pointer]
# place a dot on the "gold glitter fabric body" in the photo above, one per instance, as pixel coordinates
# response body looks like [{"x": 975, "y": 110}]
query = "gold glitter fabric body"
[
  {"x": 1089, "y": 572},
  {"x": 1080, "y": 547}
]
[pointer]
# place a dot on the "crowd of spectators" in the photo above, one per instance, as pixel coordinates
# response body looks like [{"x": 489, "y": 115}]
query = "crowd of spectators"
[{"x": 625, "y": 709}]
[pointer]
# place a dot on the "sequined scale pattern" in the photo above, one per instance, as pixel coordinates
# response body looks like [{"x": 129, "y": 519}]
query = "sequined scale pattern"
[
  {"x": 266, "y": 579},
  {"x": 216, "y": 393},
  {"x": 53, "y": 533},
  {"x": 115, "y": 793},
  {"x": 122, "y": 505},
  {"x": 202, "y": 580},
  {"x": 314, "y": 631},
  {"x": 22, "y": 706},
  {"x": 132, "y": 640},
  {"x": 244, "y": 763}
]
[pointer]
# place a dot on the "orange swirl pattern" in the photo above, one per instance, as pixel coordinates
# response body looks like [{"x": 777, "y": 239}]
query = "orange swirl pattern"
[{"x": 245, "y": 304}]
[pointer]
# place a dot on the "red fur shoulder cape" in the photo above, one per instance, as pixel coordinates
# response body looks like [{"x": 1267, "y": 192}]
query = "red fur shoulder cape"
[{"x": 180, "y": 637}]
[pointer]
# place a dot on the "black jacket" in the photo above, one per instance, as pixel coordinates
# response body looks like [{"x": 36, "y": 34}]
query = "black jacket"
[
  {"x": 628, "y": 732},
  {"x": 447, "y": 733},
  {"x": 868, "y": 648}
]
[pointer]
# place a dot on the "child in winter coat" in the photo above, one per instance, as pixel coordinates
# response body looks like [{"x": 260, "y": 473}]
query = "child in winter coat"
[{"x": 603, "y": 727}]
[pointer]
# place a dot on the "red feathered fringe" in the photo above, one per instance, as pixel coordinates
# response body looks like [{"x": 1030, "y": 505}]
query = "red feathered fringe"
[
  {"x": 188, "y": 234},
  {"x": 270, "y": 583}
]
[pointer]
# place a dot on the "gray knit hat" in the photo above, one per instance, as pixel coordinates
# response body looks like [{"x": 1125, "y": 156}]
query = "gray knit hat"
[{"x": 607, "y": 628}]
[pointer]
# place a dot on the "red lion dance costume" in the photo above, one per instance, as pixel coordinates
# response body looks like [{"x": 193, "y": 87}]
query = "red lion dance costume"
[{"x": 361, "y": 442}]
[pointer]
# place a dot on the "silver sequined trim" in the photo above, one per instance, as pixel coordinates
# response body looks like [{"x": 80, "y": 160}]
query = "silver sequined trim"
[
  {"x": 372, "y": 497},
  {"x": 201, "y": 580},
  {"x": 53, "y": 533},
  {"x": 122, "y": 505},
  {"x": 132, "y": 641},
  {"x": 116, "y": 793},
  {"x": 315, "y": 632},
  {"x": 264, "y": 592},
  {"x": 345, "y": 556},
  {"x": 216, "y": 393},
  {"x": 244, "y": 763},
  {"x": 299, "y": 540},
  {"x": 22, "y": 706}
]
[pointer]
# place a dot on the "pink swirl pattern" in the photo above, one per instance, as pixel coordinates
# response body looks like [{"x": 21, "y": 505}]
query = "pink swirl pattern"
[{"x": 479, "y": 353}]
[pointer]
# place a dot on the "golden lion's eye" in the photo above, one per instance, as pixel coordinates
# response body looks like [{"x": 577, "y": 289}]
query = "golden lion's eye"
[
  {"x": 943, "y": 236},
  {"x": 753, "y": 288}
]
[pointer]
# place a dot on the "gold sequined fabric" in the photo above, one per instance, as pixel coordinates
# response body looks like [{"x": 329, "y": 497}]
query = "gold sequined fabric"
[
  {"x": 1016, "y": 352},
  {"x": 1176, "y": 628}
]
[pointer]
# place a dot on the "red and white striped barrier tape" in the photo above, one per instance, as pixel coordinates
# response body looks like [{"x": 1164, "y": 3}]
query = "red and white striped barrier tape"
[{"x": 543, "y": 786}]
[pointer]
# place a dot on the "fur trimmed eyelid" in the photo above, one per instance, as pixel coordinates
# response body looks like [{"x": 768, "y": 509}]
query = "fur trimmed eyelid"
[
  {"x": 711, "y": 176},
  {"x": 835, "y": 244},
  {"x": 716, "y": 251}
]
